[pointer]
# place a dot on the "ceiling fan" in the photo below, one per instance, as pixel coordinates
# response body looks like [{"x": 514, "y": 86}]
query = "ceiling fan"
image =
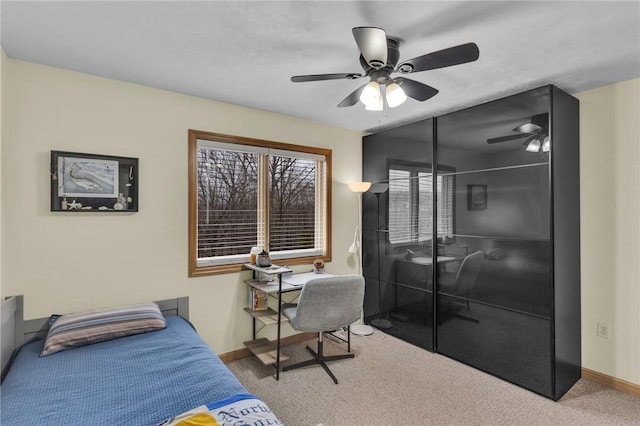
[
  {"x": 536, "y": 131},
  {"x": 379, "y": 57}
]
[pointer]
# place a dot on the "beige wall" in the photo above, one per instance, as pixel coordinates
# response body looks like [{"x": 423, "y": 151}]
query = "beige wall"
[
  {"x": 610, "y": 224},
  {"x": 63, "y": 262}
]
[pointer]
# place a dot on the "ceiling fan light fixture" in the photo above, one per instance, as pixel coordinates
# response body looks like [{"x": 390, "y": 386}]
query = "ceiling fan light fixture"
[
  {"x": 527, "y": 128},
  {"x": 395, "y": 95},
  {"x": 533, "y": 146},
  {"x": 371, "y": 96},
  {"x": 377, "y": 105},
  {"x": 546, "y": 144}
]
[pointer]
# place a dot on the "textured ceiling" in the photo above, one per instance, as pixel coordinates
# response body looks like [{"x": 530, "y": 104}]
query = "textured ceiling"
[{"x": 244, "y": 53}]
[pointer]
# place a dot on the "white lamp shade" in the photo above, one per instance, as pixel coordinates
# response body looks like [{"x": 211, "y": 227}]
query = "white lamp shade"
[
  {"x": 371, "y": 96},
  {"x": 546, "y": 145},
  {"x": 359, "y": 187},
  {"x": 395, "y": 95},
  {"x": 375, "y": 106},
  {"x": 533, "y": 146}
]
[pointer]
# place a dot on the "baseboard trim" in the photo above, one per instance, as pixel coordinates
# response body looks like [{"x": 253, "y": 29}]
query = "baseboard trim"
[
  {"x": 612, "y": 382},
  {"x": 228, "y": 357}
]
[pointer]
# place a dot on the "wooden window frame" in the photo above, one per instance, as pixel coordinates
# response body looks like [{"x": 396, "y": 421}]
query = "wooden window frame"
[{"x": 193, "y": 136}]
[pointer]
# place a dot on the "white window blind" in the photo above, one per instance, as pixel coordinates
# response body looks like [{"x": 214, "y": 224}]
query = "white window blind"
[
  {"x": 445, "y": 206},
  {"x": 401, "y": 226},
  {"x": 425, "y": 206}
]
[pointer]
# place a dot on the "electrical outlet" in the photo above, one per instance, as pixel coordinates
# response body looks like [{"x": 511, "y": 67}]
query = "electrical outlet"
[{"x": 603, "y": 330}]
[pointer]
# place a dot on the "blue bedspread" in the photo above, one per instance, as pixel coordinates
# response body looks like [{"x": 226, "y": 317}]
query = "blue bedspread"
[{"x": 135, "y": 380}]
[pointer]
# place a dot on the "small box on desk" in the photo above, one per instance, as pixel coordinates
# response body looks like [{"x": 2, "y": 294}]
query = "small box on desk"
[{"x": 257, "y": 300}]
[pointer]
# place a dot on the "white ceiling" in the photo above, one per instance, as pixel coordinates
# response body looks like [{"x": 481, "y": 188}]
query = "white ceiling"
[{"x": 244, "y": 53}]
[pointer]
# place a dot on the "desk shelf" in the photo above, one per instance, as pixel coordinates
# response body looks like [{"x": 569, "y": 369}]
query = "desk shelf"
[
  {"x": 270, "y": 287},
  {"x": 266, "y": 317},
  {"x": 265, "y": 350}
]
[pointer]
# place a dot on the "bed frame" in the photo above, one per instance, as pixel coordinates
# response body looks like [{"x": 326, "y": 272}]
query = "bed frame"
[{"x": 16, "y": 331}]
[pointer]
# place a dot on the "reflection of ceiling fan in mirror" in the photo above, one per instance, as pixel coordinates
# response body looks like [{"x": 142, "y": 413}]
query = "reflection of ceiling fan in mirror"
[
  {"x": 379, "y": 58},
  {"x": 536, "y": 131}
]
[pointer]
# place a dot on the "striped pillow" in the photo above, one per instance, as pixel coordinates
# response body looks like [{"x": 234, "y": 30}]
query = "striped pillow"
[{"x": 73, "y": 330}]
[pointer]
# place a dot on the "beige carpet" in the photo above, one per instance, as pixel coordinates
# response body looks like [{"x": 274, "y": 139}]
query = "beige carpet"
[{"x": 391, "y": 382}]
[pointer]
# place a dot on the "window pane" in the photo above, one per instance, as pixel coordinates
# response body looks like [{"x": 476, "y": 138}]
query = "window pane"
[
  {"x": 292, "y": 203},
  {"x": 445, "y": 206},
  {"x": 227, "y": 202},
  {"x": 444, "y": 185}
]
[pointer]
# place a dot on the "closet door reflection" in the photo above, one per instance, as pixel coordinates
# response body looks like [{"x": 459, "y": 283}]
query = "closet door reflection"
[
  {"x": 494, "y": 285},
  {"x": 397, "y": 232}
]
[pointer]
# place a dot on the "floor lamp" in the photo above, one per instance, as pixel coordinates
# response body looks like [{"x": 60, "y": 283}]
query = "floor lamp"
[
  {"x": 379, "y": 322},
  {"x": 359, "y": 188}
]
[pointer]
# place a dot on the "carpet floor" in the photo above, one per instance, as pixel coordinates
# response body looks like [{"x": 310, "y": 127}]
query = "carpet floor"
[{"x": 391, "y": 382}]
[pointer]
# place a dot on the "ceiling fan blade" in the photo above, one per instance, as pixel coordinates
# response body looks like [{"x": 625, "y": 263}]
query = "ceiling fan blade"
[
  {"x": 416, "y": 89},
  {"x": 320, "y": 77},
  {"x": 508, "y": 138},
  {"x": 541, "y": 120},
  {"x": 442, "y": 58},
  {"x": 372, "y": 43},
  {"x": 352, "y": 98}
]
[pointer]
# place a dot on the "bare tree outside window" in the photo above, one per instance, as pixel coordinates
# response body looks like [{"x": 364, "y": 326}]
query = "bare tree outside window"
[{"x": 292, "y": 203}]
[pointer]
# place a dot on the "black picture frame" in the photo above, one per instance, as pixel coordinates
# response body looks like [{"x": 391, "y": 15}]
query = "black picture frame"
[
  {"x": 476, "y": 197},
  {"x": 83, "y": 182}
]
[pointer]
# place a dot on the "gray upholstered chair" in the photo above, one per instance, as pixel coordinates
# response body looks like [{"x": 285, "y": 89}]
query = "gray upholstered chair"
[{"x": 325, "y": 305}]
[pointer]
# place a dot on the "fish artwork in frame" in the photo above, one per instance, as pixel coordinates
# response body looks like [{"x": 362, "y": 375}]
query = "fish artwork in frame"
[{"x": 91, "y": 182}]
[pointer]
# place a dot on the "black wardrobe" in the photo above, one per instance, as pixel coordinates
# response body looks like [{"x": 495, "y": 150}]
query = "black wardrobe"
[{"x": 490, "y": 195}]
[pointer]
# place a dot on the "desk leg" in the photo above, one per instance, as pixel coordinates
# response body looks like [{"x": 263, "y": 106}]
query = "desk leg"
[
  {"x": 254, "y": 319},
  {"x": 279, "y": 320},
  {"x": 254, "y": 329}
]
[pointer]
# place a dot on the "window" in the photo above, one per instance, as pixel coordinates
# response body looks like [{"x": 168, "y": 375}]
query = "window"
[
  {"x": 410, "y": 204},
  {"x": 248, "y": 192}
]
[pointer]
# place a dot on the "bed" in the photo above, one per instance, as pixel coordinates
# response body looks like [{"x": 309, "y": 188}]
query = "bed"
[{"x": 142, "y": 379}]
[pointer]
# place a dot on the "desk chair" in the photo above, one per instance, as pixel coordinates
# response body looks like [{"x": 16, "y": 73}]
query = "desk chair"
[
  {"x": 464, "y": 281},
  {"x": 325, "y": 305}
]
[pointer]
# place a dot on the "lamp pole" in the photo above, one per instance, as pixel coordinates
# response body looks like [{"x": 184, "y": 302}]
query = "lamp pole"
[{"x": 358, "y": 188}]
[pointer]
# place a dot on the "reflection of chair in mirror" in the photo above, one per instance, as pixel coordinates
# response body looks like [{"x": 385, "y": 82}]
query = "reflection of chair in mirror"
[
  {"x": 464, "y": 280},
  {"x": 325, "y": 305}
]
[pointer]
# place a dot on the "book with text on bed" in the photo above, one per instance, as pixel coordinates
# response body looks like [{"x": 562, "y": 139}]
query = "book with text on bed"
[{"x": 257, "y": 300}]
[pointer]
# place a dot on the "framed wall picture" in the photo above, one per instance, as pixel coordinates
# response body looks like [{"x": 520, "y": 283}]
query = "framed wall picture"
[
  {"x": 93, "y": 183},
  {"x": 476, "y": 197}
]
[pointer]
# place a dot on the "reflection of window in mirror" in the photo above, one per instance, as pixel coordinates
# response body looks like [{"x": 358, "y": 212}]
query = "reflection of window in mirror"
[{"x": 410, "y": 203}]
